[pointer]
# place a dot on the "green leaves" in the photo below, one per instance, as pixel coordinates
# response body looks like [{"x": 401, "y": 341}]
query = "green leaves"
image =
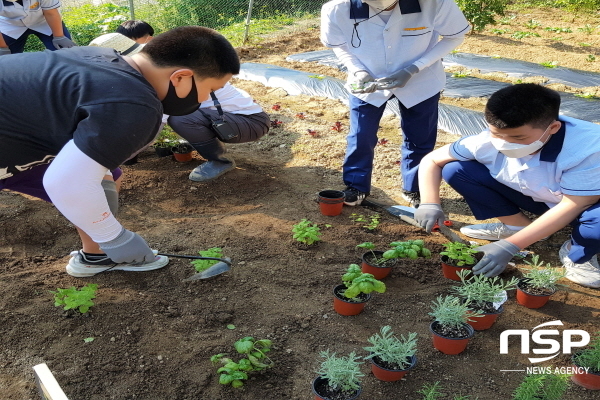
[
  {"x": 234, "y": 373},
  {"x": 358, "y": 282},
  {"x": 460, "y": 253},
  {"x": 342, "y": 373},
  {"x": 75, "y": 299},
  {"x": 481, "y": 13},
  {"x": 306, "y": 233},
  {"x": 412, "y": 249},
  {"x": 201, "y": 265},
  {"x": 481, "y": 289},
  {"x": 390, "y": 349},
  {"x": 451, "y": 312}
]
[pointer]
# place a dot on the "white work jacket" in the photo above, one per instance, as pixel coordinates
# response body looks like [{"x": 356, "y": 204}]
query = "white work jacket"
[
  {"x": 15, "y": 18},
  {"x": 384, "y": 48}
]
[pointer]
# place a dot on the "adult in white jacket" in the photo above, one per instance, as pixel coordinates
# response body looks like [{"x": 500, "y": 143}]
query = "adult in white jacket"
[{"x": 392, "y": 49}]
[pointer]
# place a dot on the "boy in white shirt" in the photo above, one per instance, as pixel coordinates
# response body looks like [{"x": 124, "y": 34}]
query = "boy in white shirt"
[{"x": 531, "y": 158}]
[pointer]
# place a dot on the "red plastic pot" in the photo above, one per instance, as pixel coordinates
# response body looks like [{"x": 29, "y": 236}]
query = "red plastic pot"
[
  {"x": 320, "y": 383},
  {"x": 183, "y": 157},
  {"x": 486, "y": 321},
  {"x": 450, "y": 271},
  {"x": 331, "y": 202},
  {"x": 346, "y": 307},
  {"x": 588, "y": 380},
  {"x": 377, "y": 271},
  {"x": 450, "y": 345},
  {"x": 531, "y": 300},
  {"x": 391, "y": 375}
]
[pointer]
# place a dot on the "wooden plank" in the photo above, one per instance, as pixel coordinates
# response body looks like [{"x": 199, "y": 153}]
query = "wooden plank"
[{"x": 47, "y": 385}]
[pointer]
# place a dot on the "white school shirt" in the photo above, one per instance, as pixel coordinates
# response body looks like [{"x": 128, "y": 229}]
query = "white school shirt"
[
  {"x": 568, "y": 163},
  {"x": 386, "y": 48},
  {"x": 233, "y": 100},
  {"x": 15, "y": 19}
]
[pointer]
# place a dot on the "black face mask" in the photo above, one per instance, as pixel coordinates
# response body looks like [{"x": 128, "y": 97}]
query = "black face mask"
[{"x": 174, "y": 105}]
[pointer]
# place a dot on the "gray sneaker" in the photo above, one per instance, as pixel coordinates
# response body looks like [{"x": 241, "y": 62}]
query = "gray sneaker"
[
  {"x": 81, "y": 267},
  {"x": 586, "y": 274},
  {"x": 489, "y": 231}
]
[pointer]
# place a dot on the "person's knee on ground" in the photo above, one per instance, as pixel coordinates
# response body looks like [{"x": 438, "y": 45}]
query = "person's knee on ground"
[{"x": 216, "y": 164}]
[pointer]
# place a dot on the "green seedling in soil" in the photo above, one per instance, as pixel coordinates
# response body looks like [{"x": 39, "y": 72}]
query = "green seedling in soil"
[
  {"x": 549, "y": 64},
  {"x": 234, "y": 373},
  {"x": 461, "y": 74},
  {"x": 532, "y": 24},
  {"x": 584, "y": 44},
  {"x": 358, "y": 282},
  {"x": 372, "y": 221},
  {"x": 542, "y": 277},
  {"x": 389, "y": 349},
  {"x": 450, "y": 312},
  {"x": 542, "y": 387},
  {"x": 590, "y": 356},
  {"x": 431, "y": 392},
  {"x": 342, "y": 373},
  {"x": 499, "y": 31},
  {"x": 75, "y": 299},
  {"x": 412, "y": 249},
  {"x": 524, "y": 34},
  {"x": 460, "y": 253},
  {"x": 558, "y": 30},
  {"x": 201, "y": 265},
  {"x": 166, "y": 139},
  {"x": 590, "y": 58},
  {"x": 589, "y": 29},
  {"x": 479, "y": 290},
  {"x": 306, "y": 232}
]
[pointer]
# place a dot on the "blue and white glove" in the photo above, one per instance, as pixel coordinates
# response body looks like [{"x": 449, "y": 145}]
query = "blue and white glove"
[
  {"x": 428, "y": 214},
  {"x": 128, "y": 248},
  {"x": 397, "y": 79},
  {"x": 496, "y": 256},
  {"x": 361, "y": 82},
  {"x": 62, "y": 42}
]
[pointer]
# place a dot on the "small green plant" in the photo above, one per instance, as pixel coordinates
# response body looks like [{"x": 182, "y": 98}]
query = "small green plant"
[
  {"x": 371, "y": 221},
  {"x": 255, "y": 359},
  {"x": 451, "y": 312},
  {"x": 306, "y": 232},
  {"x": 549, "y": 64},
  {"x": 584, "y": 44},
  {"x": 590, "y": 356},
  {"x": 558, "y": 30},
  {"x": 368, "y": 246},
  {"x": 461, "y": 74},
  {"x": 481, "y": 13},
  {"x": 542, "y": 387},
  {"x": 412, "y": 249},
  {"x": 389, "y": 349},
  {"x": 532, "y": 24},
  {"x": 460, "y": 253},
  {"x": 479, "y": 291},
  {"x": 524, "y": 34},
  {"x": 432, "y": 392},
  {"x": 166, "y": 139},
  {"x": 507, "y": 20},
  {"x": 587, "y": 28},
  {"x": 75, "y": 299},
  {"x": 590, "y": 58},
  {"x": 358, "y": 282},
  {"x": 201, "y": 265},
  {"x": 319, "y": 77},
  {"x": 342, "y": 373},
  {"x": 499, "y": 31},
  {"x": 540, "y": 277},
  {"x": 586, "y": 95}
]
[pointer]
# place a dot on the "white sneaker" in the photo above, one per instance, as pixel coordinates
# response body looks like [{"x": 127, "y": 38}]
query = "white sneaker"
[
  {"x": 489, "y": 231},
  {"x": 80, "y": 267},
  {"x": 586, "y": 274}
]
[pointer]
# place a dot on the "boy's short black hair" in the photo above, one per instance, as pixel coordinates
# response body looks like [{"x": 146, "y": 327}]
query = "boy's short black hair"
[
  {"x": 522, "y": 104},
  {"x": 203, "y": 50},
  {"x": 135, "y": 29}
]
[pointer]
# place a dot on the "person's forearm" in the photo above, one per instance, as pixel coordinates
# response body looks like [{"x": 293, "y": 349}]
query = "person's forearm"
[
  {"x": 441, "y": 48},
  {"x": 430, "y": 179},
  {"x": 54, "y": 20},
  {"x": 350, "y": 61}
]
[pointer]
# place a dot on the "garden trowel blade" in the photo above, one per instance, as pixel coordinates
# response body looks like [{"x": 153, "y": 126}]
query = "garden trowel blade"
[{"x": 213, "y": 270}]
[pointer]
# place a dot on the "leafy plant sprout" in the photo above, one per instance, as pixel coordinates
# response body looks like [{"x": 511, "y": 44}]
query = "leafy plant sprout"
[
  {"x": 542, "y": 386},
  {"x": 342, "y": 373},
  {"x": 587, "y": 28},
  {"x": 201, "y": 265},
  {"x": 590, "y": 58},
  {"x": 542, "y": 277},
  {"x": 388, "y": 348},
  {"x": 532, "y": 24},
  {"x": 233, "y": 373},
  {"x": 368, "y": 246},
  {"x": 412, "y": 249},
  {"x": 549, "y": 64},
  {"x": 75, "y": 299},
  {"x": 460, "y": 253},
  {"x": 590, "y": 356},
  {"x": 372, "y": 221},
  {"x": 431, "y": 392},
  {"x": 451, "y": 312},
  {"x": 479, "y": 290},
  {"x": 306, "y": 232},
  {"x": 358, "y": 282}
]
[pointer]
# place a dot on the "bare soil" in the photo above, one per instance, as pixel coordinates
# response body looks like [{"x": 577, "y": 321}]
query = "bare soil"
[{"x": 154, "y": 334}]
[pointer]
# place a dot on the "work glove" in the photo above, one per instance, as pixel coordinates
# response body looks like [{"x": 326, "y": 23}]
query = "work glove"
[
  {"x": 128, "y": 248},
  {"x": 496, "y": 256},
  {"x": 62, "y": 42},
  {"x": 361, "y": 82},
  {"x": 4, "y": 51},
  {"x": 397, "y": 79},
  {"x": 428, "y": 214}
]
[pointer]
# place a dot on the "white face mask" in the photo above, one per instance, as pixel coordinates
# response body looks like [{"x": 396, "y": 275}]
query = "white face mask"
[
  {"x": 517, "y": 150},
  {"x": 380, "y": 4}
]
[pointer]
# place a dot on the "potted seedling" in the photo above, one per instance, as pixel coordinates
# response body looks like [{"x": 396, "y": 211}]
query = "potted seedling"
[
  {"x": 255, "y": 359},
  {"x": 380, "y": 263},
  {"x": 588, "y": 358},
  {"x": 73, "y": 299},
  {"x": 165, "y": 142},
  {"x": 483, "y": 295},
  {"x": 182, "y": 151},
  {"x": 350, "y": 297},
  {"x": 338, "y": 377},
  {"x": 457, "y": 256},
  {"x": 538, "y": 283},
  {"x": 391, "y": 358},
  {"x": 450, "y": 328},
  {"x": 542, "y": 387},
  {"x": 306, "y": 233}
]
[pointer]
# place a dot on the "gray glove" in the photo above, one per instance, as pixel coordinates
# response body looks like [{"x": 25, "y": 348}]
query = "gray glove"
[
  {"x": 496, "y": 256},
  {"x": 128, "y": 248},
  {"x": 362, "y": 82},
  {"x": 4, "y": 51},
  {"x": 428, "y": 214},
  {"x": 62, "y": 42},
  {"x": 397, "y": 79}
]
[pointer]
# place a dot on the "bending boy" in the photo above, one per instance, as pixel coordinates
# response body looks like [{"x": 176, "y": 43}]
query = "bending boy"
[{"x": 531, "y": 158}]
